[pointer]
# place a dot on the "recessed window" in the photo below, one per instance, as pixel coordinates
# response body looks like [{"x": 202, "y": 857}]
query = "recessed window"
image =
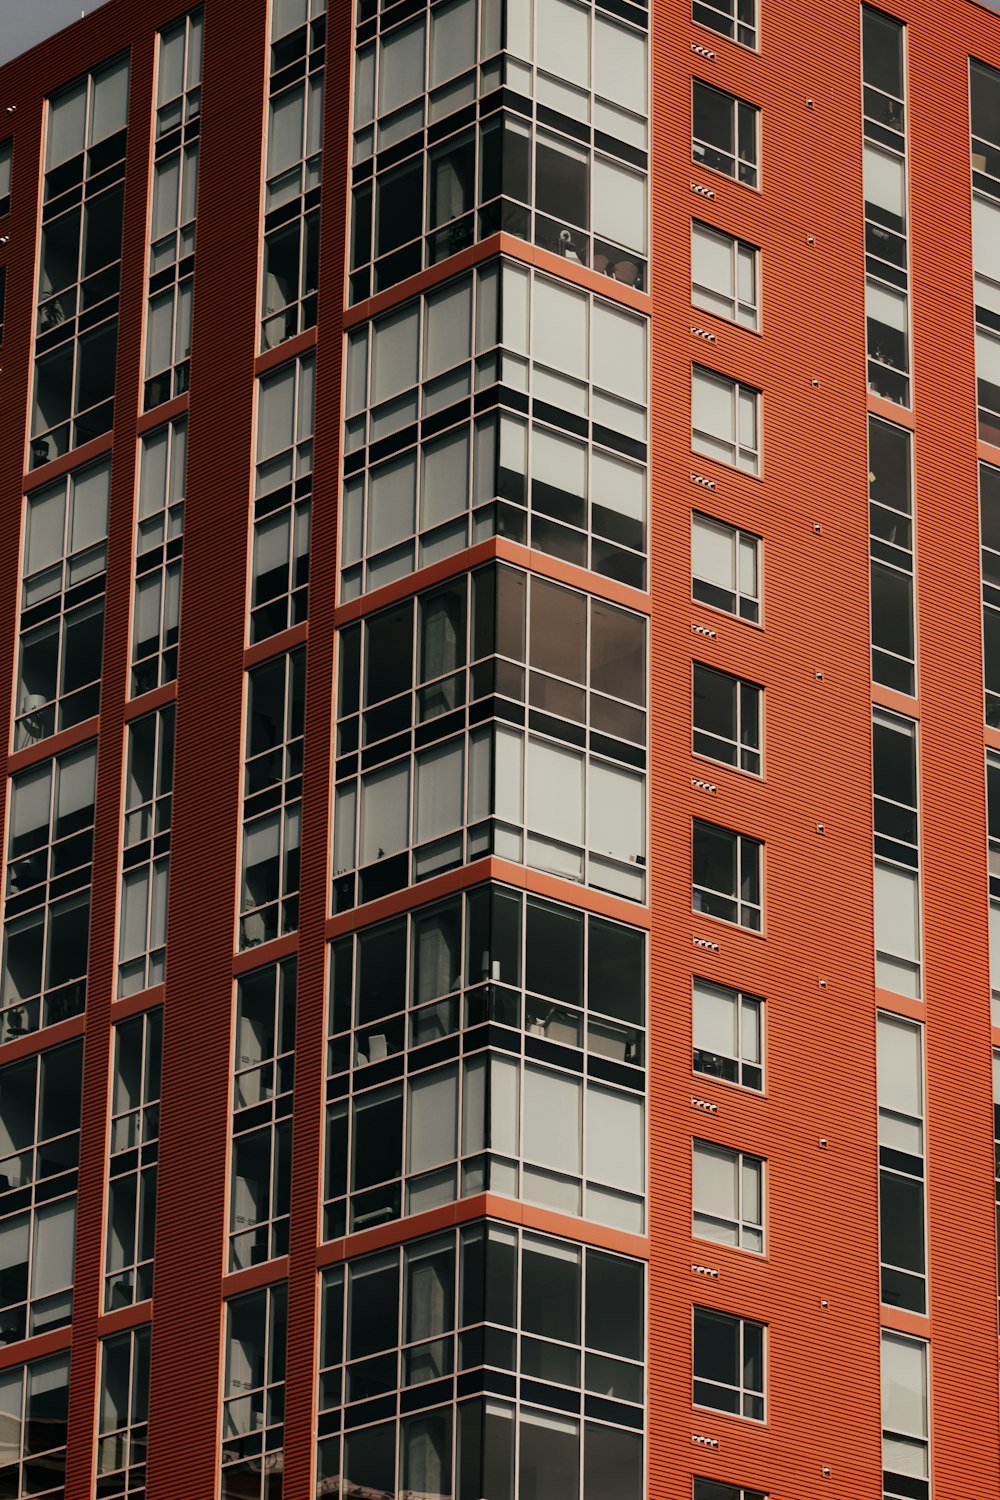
[
  {"x": 134, "y": 1148},
  {"x": 718, "y": 1489},
  {"x": 6, "y": 168},
  {"x": 897, "y": 854},
  {"x": 905, "y": 1417},
  {"x": 39, "y": 1154},
  {"x": 159, "y": 540},
  {"x": 725, "y": 419},
  {"x": 253, "y": 1405},
  {"x": 142, "y": 939},
  {"x": 727, "y": 715},
  {"x": 726, "y": 875},
  {"x": 727, "y": 1192},
  {"x": 901, "y": 1163},
  {"x": 263, "y": 1076},
  {"x": 124, "y": 1408},
  {"x": 728, "y": 1034},
  {"x": 729, "y": 1363},
  {"x": 725, "y": 567},
  {"x": 724, "y": 133},
  {"x": 724, "y": 274},
  {"x": 890, "y": 512},
  {"x": 736, "y": 19}
]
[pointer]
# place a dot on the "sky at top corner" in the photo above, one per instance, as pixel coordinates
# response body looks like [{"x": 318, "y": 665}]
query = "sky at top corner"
[{"x": 23, "y": 23}]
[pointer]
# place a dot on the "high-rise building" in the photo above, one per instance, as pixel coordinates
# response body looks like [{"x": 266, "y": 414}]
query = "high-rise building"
[{"x": 500, "y": 597}]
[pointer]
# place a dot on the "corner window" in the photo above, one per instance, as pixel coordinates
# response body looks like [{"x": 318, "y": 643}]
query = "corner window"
[
  {"x": 725, "y": 419},
  {"x": 727, "y": 875},
  {"x": 729, "y": 1364},
  {"x": 724, "y": 275},
  {"x": 34, "y": 1399},
  {"x": 724, "y": 133},
  {"x": 728, "y": 1034},
  {"x": 725, "y": 567},
  {"x": 727, "y": 718},
  {"x": 727, "y": 1192}
]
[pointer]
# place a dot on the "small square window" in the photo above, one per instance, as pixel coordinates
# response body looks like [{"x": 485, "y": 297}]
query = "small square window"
[
  {"x": 728, "y": 1031},
  {"x": 725, "y": 419},
  {"x": 718, "y": 1489},
  {"x": 725, "y": 567},
  {"x": 724, "y": 275},
  {"x": 729, "y": 1363},
  {"x": 736, "y": 19},
  {"x": 727, "y": 719},
  {"x": 727, "y": 1194},
  {"x": 726, "y": 875},
  {"x": 724, "y": 133}
]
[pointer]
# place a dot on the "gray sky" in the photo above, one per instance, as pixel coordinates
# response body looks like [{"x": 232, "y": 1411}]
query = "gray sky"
[{"x": 25, "y": 22}]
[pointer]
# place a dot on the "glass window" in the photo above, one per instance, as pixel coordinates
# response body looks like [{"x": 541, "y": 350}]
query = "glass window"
[
  {"x": 724, "y": 274},
  {"x": 40, "y": 1148},
  {"x": 905, "y": 1421},
  {"x": 534, "y": 798},
  {"x": 6, "y": 171},
  {"x": 736, "y": 19},
  {"x": 62, "y": 603},
  {"x": 725, "y": 567},
  {"x": 525, "y": 480},
  {"x": 146, "y": 854},
  {"x": 253, "y": 1402},
  {"x": 587, "y": 71},
  {"x": 897, "y": 881},
  {"x": 725, "y": 133},
  {"x": 272, "y": 798},
  {"x": 901, "y": 1163},
  {"x": 391, "y": 1319},
  {"x": 159, "y": 538},
  {"x": 135, "y": 1129},
  {"x": 727, "y": 719},
  {"x": 891, "y": 546},
  {"x": 122, "y": 1414},
  {"x": 728, "y": 1034},
  {"x": 726, "y": 872},
  {"x": 263, "y": 1078},
  {"x": 724, "y": 419},
  {"x": 47, "y": 910},
  {"x": 729, "y": 1363},
  {"x": 34, "y": 1401},
  {"x": 728, "y": 1196}
]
